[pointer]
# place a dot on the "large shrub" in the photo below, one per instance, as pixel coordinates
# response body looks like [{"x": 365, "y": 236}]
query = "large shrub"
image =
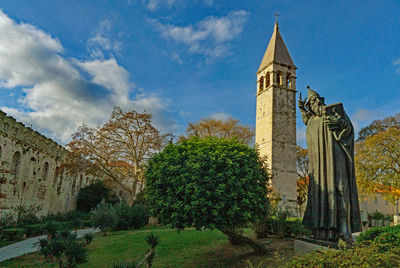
[
  {"x": 359, "y": 256},
  {"x": 13, "y": 234},
  {"x": 90, "y": 196},
  {"x": 104, "y": 217},
  {"x": 64, "y": 247},
  {"x": 373, "y": 233},
  {"x": 132, "y": 217},
  {"x": 208, "y": 183}
]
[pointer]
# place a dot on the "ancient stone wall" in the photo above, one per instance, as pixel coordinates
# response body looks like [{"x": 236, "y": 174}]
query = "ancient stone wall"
[{"x": 31, "y": 173}]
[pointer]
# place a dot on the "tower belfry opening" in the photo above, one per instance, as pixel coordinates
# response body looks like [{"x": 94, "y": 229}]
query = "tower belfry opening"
[{"x": 276, "y": 119}]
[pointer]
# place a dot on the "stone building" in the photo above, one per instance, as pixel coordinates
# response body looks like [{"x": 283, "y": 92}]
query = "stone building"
[
  {"x": 31, "y": 170},
  {"x": 276, "y": 118}
]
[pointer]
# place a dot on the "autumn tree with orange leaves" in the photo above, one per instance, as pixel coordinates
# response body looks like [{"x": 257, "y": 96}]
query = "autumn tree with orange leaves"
[
  {"x": 118, "y": 150},
  {"x": 377, "y": 159},
  {"x": 228, "y": 129},
  {"x": 302, "y": 176}
]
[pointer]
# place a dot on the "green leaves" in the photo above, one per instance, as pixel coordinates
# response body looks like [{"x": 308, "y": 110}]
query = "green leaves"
[{"x": 206, "y": 183}]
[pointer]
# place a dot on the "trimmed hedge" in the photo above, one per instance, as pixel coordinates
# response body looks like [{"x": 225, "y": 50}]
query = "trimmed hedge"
[
  {"x": 372, "y": 233},
  {"x": 13, "y": 234},
  {"x": 34, "y": 229}
]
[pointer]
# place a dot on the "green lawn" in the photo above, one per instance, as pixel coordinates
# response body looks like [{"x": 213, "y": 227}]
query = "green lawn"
[{"x": 188, "y": 248}]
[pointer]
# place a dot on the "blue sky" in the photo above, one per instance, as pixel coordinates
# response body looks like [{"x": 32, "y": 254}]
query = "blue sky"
[{"x": 67, "y": 62}]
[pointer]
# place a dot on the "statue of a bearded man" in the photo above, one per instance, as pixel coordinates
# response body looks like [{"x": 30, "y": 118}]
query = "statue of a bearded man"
[{"x": 332, "y": 206}]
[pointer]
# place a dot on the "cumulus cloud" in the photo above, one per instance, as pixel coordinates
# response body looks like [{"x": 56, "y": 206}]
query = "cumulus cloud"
[
  {"x": 209, "y": 36},
  {"x": 60, "y": 93}
]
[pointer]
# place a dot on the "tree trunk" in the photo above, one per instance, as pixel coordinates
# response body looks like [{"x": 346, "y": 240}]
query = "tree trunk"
[
  {"x": 259, "y": 248},
  {"x": 149, "y": 255}
]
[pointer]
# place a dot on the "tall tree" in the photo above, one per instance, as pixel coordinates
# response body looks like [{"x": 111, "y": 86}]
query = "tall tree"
[
  {"x": 208, "y": 183},
  {"x": 227, "y": 129},
  {"x": 118, "y": 150},
  {"x": 378, "y": 126},
  {"x": 377, "y": 160},
  {"x": 302, "y": 176}
]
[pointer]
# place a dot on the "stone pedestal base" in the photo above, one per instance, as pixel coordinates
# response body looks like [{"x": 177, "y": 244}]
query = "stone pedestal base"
[{"x": 306, "y": 245}]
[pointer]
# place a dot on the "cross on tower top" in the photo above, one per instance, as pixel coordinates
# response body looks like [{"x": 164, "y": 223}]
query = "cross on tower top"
[{"x": 276, "y": 17}]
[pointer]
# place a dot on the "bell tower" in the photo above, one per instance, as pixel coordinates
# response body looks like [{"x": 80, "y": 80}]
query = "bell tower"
[{"x": 276, "y": 119}]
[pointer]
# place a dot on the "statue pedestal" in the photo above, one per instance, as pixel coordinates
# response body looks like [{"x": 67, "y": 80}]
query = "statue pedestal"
[{"x": 306, "y": 245}]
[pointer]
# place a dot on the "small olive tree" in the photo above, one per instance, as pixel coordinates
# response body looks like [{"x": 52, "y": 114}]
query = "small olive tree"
[{"x": 209, "y": 183}]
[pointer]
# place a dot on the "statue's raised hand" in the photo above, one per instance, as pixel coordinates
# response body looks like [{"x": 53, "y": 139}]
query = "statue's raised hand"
[{"x": 302, "y": 103}]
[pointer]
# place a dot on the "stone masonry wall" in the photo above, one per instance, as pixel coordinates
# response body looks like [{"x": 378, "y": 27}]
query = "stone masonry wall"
[{"x": 30, "y": 172}]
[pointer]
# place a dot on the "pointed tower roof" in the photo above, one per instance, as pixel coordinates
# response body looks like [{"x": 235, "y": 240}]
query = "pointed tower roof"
[{"x": 276, "y": 51}]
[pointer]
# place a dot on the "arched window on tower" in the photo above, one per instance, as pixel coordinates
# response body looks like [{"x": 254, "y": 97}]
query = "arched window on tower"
[
  {"x": 261, "y": 83},
  {"x": 267, "y": 79},
  {"x": 15, "y": 163},
  {"x": 279, "y": 79},
  {"x": 45, "y": 171},
  {"x": 288, "y": 82}
]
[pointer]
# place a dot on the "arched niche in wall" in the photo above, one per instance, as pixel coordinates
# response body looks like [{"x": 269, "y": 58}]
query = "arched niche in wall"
[{"x": 15, "y": 163}]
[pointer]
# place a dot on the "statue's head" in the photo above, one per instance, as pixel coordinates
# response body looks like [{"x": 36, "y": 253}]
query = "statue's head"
[{"x": 315, "y": 102}]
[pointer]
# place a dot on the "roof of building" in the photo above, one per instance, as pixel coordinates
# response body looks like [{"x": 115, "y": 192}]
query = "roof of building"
[{"x": 276, "y": 51}]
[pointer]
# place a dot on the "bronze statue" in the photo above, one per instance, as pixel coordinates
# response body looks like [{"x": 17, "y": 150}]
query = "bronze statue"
[{"x": 332, "y": 206}]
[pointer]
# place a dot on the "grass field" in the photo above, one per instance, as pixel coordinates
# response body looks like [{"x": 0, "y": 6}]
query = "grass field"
[{"x": 188, "y": 248}]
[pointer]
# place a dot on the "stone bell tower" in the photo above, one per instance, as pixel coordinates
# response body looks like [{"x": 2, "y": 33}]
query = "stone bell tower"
[{"x": 276, "y": 119}]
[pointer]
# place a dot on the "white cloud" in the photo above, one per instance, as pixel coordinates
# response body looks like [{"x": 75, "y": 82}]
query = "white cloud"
[
  {"x": 176, "y": 57},
  {"x": 363, "y": 116},
  {"x": 57, "y": 95},
  {"x": 397, "y": 64},
  {"x": 153, "y": 5},
  {"x": 221, "y": 116},
  {"x": 100, "y": 43},
  {"x": 210, "y": 36}
]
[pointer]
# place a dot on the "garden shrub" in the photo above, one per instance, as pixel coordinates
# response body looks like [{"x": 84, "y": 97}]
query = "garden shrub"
[
  {"x": 64, "y": 246},
  {"x": 104, "y": 217},
  {"x": 296, "y": 228},
  {"x": 372, "y": 233},
  {"x": 359, "y": 256},
  {"x": 7, "y": 220},
  {"x": 26, "y": 215},
  {"x": 139, "y": 216},
  {"x": 87, "y": 223},
  {"x": 13, "y": 234},
  {"x": 90, "y": 196},
  {"x": 88, "y": 238},
  {"x": 133, "y": 217},
  {"x": 34, "y": 229}
]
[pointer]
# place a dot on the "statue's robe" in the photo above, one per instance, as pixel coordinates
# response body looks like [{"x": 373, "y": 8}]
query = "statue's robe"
[{"x": 332, "y": 191}]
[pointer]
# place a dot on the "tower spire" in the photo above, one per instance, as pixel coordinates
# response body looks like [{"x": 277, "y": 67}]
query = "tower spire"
[{"x": 276, "y": 51}]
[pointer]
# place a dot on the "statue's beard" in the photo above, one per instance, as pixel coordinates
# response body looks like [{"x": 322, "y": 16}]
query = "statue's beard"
[{"x": 318, "y": 109}]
